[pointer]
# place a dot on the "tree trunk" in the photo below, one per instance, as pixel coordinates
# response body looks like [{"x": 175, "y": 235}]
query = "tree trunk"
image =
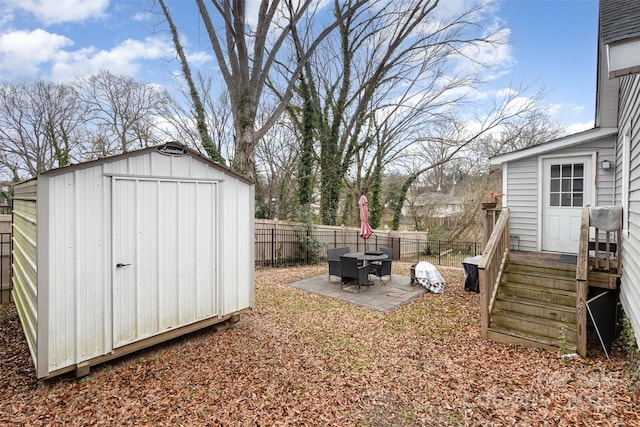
[{"x": 243, "y": 161}]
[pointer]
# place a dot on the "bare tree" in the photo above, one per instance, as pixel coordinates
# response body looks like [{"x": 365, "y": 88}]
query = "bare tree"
[
  {"x": 122, "y": 110},
  {"x": 199, "y": 112},
  {"x": 390, "y": 72},
  {"x": 461, "y": 139},
  {"x": 532, "y": 128},
  {"x": 276, "y": 159},
  {"x": 246, "y": 54},
  {"x": 40, "y": 126},
  {"x": 180, "y": 124}
]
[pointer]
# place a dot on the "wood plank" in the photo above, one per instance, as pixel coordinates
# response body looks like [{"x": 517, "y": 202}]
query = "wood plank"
[
  {"x": 541, "y": 294},
  {"x": 531, "y": 308},
  {"x": 544, "y": 280},
  {"x": 501, "y": 336},
  {"x": 536, "y": 327},
  {"x": 603, "y": 280}
]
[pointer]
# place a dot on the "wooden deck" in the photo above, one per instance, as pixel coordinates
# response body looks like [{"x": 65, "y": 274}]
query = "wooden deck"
[{"x": 540, "y": 298}]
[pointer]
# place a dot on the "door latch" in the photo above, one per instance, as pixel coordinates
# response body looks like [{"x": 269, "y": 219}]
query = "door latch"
[{"x": 121, "y": 265}]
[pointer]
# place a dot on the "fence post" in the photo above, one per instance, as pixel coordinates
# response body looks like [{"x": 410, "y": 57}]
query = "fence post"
[
  {"x": 306, "y": 246},
  {"x": 273, "y": 246}
]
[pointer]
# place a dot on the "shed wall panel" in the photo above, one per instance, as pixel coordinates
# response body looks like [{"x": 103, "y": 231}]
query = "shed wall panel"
[{"x": 25, "y": 273}]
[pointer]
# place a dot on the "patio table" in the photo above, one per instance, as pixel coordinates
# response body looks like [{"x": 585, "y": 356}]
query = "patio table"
[{"x": 367, "y": 257}]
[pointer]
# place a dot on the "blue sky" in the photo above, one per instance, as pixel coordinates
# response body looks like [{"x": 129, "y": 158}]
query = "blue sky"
[{"x": 552, "y": 43}]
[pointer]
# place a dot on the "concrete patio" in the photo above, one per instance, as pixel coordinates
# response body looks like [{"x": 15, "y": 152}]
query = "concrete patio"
[{"x": 392, "y": 294}]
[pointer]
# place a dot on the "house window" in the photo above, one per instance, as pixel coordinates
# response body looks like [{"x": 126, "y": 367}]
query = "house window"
[{"x": 567, "y": 185}]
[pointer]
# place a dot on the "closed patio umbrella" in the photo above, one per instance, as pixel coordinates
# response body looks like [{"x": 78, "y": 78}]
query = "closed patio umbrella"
[{"x": 365, "y": 228}]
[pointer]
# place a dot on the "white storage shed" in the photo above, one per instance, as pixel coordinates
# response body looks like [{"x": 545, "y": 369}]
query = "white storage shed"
[{"x": 117, "y": 254}]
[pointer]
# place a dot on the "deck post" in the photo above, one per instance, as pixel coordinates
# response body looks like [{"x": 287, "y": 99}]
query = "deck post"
[
  {"x": 581, "y": 311},
  {"x": 484, "y": 277}
]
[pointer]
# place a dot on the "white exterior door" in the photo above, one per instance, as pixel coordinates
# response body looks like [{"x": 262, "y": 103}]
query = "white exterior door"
[
  {"x": 567, "y": 188},
  {"x": 164, "y": 256}
]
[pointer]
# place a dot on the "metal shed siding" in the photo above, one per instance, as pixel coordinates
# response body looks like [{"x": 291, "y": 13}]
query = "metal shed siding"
[
  {"x": 77, "y": 227},
  {"x": 25, "y": 277},
  {"x": 238, "y": 239},
  {"x": 74, "y": 246},
  {"x": 522, "y": 200},
  {"x": 630, "y": 281}
]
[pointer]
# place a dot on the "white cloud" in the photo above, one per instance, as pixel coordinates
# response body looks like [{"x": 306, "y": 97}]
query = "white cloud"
[
  {"x": 579, "y": 127},
  {"x": 565, "y": 109},
  {"x": 125, "y": 58},
  {"x": 23, "y": 53},
  {"x": 144, "y": 16},
  {"x": 60, "y": 11},
  {"x": 199, "y": 58}
]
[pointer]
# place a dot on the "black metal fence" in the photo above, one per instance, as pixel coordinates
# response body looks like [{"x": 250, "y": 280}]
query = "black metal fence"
[
  {"x": 278, "y": 248},
  {"x": 5, "y": 266}
]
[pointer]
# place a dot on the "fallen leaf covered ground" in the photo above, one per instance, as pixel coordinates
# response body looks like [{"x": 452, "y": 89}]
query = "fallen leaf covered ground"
[{"x": 302, "y": 359}]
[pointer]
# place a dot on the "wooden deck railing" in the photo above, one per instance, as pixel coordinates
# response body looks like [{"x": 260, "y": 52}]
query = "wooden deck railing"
[
  {"x": 494, "y": 257},
  {"x": 582, "y": 287},
  {"x": 606, "y": 259}
]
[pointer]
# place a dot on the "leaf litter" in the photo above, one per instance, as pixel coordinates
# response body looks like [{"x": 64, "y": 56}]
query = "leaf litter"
[{"x": 301, "y": 359}]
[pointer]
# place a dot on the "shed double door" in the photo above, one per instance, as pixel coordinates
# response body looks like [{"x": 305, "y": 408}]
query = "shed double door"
[{"x": 164, "y": 243}]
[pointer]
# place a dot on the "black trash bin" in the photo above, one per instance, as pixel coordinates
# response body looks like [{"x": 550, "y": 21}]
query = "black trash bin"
[{"x": 471, "y": 277}]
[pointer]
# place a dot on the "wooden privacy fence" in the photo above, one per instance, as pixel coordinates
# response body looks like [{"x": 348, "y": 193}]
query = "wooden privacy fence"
[
  {"x": 5, "y": 258},
  {"x": 278, "y": 244}
]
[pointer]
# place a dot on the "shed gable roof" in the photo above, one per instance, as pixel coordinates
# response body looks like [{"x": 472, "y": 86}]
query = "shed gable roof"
[{"x": 188, "y": 152}]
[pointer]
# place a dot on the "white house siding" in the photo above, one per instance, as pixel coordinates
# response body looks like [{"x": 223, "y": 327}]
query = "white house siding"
[
  {"x": 607, "y": 99},
  {"x": 522, "y": 200},
  {"x": 523, "y": 188},
  {"x": 25, "y": 277},
  {"x": 75, "y": 251},
  {"x": 629, "y": 119}
]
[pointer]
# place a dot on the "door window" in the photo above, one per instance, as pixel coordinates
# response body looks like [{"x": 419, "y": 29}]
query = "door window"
[{"x": 566, "y": 187}]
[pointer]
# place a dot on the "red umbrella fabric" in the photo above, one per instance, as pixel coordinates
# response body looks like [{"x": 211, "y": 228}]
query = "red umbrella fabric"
[{"x": 365, "y": 228}]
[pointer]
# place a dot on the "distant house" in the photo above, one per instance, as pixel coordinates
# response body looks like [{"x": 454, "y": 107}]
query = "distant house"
[
  {"x": 435, "y": 205},
  {"x": 547, "y": 186}
]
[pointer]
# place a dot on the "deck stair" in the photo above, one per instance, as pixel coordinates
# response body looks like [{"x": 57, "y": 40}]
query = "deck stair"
[{"x": 535, "y": 306}]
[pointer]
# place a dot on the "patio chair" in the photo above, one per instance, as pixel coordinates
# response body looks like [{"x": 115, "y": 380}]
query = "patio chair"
[
  {"x": 382, "y": 268},
  {"x": 350, "y": 270},
  {"x": 333, "y": 259}
]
